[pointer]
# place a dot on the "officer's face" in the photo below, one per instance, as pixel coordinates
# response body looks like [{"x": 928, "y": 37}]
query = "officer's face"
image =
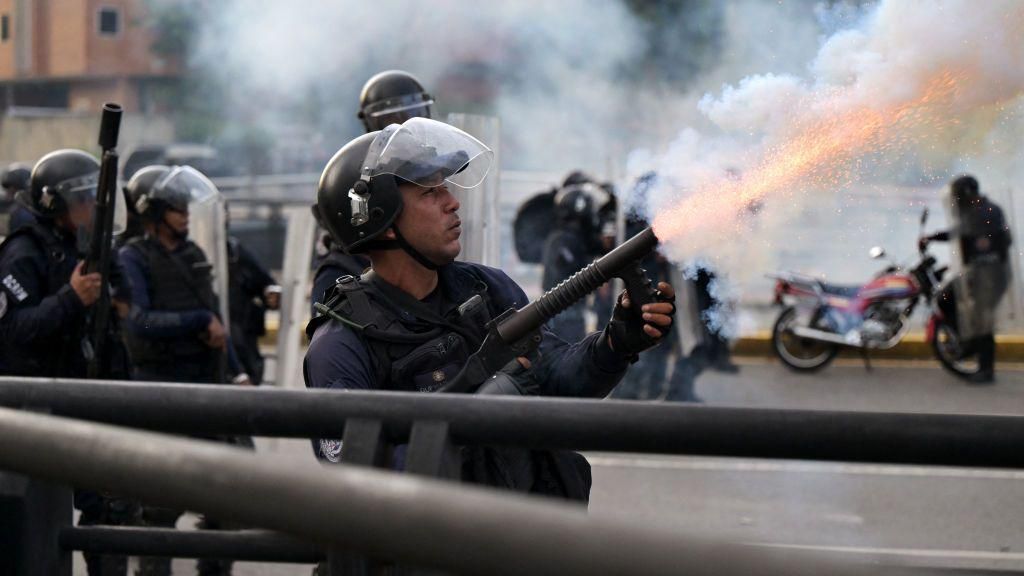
[
  {"x": 80, "y": 214},
  {"x": 430, "y": 222},
  {"x": 177, "y": 221}
]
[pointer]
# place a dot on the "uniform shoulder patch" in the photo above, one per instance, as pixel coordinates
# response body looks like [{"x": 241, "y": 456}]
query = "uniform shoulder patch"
[
  {"x": 331, "y": 450},
  {"x": 12, "y": 284}
]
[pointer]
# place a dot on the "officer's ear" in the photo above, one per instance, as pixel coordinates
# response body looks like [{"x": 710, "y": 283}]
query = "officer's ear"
[{"x": 389, "y": 234}]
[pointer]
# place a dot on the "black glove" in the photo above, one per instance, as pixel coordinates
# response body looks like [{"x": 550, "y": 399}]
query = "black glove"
[
  {"x": 512, "y": 380},
  {"x": 625, "y": 331}
]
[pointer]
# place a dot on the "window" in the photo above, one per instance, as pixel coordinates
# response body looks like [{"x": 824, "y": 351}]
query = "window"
[
  {"x": 5, "y": 28},
  {"x": 109, "y": 21}
]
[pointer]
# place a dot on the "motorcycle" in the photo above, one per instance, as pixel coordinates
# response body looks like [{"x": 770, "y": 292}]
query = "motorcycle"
[{"x": 819, "y": 319}]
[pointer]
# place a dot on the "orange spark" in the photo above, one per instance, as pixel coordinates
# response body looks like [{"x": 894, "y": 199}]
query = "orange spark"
[{"x": 823, "y": 151}]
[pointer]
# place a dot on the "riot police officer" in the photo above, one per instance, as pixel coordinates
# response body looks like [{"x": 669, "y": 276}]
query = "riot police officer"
[
  {"x": 174, "y": 333},
  {"x": 252, "y": 291},
  {"x": 45, "y": 299},
  {"x": 389, "y": 97},
  {"x": 411, "y": 322},
  {"x": 392, "y": 97},
  {"x": 573, "y": 244},
  {"x": 14, "y": 213},
  {"x": 981, "y": 248}
]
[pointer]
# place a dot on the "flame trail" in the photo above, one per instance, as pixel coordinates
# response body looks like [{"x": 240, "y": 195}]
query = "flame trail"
[{"x": 822, "y": 150}]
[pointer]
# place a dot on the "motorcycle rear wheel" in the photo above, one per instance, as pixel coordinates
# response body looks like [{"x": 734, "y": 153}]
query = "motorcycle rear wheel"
[
  {"x": 946, "y": 346},
  {"x": 800, "y": 354}
]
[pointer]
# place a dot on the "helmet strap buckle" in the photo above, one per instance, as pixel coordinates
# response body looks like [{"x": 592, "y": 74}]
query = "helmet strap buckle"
[{"x": 357, "y": 195}]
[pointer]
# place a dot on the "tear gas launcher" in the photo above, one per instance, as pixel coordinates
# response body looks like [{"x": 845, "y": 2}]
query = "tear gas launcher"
[
  {"x": 100, "y": 244},
  {"x": 517, "y": 332}
]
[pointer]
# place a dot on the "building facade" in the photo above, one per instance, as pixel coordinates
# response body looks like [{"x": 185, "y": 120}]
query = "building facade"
[{"x": 76, "y": 54}]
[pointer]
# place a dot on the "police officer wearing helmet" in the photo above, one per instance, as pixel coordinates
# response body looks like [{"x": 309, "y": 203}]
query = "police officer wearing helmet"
[
  {"x": 573, "y": 244},
  {"x": 410, "y": 322},
  {"x": 389, "y": 97},
  {"x": 46, "y": 296},
  {"x": 981, "y": 244},
  {"x": 14, "y": 199},
  {"x": 174, "y": 333},
  {"x": 392, "y": 97}
]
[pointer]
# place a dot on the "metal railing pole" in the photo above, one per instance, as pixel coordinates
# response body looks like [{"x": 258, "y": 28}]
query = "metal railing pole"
[
  {"x": 417, "y": 522},
  {"x": 549, "y": 423}
]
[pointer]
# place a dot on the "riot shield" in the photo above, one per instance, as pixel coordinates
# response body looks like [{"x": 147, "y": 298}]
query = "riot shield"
[
  {"x": 480, "y": 212},
  {"x": 207, "y": 226},
  {"x": 958, "y": 278},
  {"x": 534, "y": 220}
]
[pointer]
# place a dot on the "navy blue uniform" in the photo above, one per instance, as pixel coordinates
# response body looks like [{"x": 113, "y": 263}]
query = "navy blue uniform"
[
  {"x": 37, "y": 305},
  {"x": 342, "y": 358},
  {"x": 41, "y": 317},
  {"x": 174, "y": 330},
  {"x": 338, "y": 358}
]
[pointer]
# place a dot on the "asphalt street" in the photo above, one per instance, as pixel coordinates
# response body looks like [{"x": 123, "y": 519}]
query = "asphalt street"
[{"x": 923, "y": 516}]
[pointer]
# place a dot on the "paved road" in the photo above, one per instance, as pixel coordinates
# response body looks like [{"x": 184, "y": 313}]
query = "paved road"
[{"x": 915, "y": 515}]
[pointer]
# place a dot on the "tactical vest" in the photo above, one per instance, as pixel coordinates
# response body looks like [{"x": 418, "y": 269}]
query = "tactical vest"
[
  {"x": 177, "y": 282},
  {"x": 413, "y": 349},
  {"x": 53, "y": 357}
]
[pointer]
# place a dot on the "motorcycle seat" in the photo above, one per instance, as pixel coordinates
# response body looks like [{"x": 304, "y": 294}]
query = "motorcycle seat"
[{"x": 839, "y": 290}]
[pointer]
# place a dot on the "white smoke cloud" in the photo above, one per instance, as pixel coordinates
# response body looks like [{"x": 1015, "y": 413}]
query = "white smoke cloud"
[{"x": 874, "y": 58}]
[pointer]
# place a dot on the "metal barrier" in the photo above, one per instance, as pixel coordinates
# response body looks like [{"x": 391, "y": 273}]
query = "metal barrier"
[
  {"x": 552, "y": 423},
  {"x": 417, "y": 522},
  {"x": 432, "y": 425}
]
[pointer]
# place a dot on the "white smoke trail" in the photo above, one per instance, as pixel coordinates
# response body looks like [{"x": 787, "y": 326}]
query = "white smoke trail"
[{"x": 877, "y": 60}]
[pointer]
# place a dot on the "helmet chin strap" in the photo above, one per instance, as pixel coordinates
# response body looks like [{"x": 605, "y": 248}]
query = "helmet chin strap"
[{"x": 416, "y": 255}]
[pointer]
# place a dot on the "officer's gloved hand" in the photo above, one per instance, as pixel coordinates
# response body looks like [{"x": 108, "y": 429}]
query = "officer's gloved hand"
[
  {"x": 515, "y": 379},
  {"x": 631, "y": 331}
]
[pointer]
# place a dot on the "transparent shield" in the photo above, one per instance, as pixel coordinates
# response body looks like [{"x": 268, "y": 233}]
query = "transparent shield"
[
  {"x": 428, "y": 153},
  {"x": 481, "y": 228},
  {"x": 185, "y": 183},
  {"x": 207, "y": 223},
  {"x": 120, "y": 212}
]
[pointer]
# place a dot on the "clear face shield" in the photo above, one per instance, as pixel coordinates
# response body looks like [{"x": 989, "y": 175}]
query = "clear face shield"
[
  {"x": 424, "y": 152},
  {"x": 399, "y": 109},
  {"x": 186, "y": 189},
  {"x": 184, "y": 186},
  {"x": 429, "y": 153}
]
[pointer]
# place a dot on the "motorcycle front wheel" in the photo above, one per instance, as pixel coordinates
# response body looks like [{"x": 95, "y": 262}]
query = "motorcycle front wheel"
[
  {"x": 801, "y": 354},
  {"x": 948, "y": 349}
]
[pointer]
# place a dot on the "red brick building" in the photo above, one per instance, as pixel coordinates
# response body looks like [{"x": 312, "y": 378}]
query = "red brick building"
[{"x": 77, "y": 54}]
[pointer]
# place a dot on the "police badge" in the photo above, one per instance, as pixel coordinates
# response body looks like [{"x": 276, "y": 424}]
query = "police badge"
[{"x": 331, "y": 450}]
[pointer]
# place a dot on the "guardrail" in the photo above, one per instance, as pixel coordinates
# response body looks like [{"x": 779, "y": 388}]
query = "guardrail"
[
  {"x": 549, "y": 423},
  {"x": 371, "y": 423},
  {"x": 418, "y": 522}
]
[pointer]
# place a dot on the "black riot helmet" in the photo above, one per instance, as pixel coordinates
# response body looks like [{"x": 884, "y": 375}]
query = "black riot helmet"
[
  {"x": 139, "y": 191},
  {"x": 156, "y": 189},
  {"x": 392, "y": 97},
  {"x": 16, "y": 177},
  {"x": 965, "y": 190},
  {"x": 358, "y": 197},
  {"x": 63, "y": 178}
]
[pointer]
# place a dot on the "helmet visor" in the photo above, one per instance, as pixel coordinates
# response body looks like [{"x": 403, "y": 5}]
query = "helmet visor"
[
  {"x": 80, "y": 190},
  {"x": 430, "y": 153},
  {"x": 404, "y": 103},
  {"x": 184, "y": 185}
]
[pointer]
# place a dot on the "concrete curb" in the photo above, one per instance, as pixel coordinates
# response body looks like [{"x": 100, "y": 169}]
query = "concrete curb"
[{"x": 1009, "y": 348}]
